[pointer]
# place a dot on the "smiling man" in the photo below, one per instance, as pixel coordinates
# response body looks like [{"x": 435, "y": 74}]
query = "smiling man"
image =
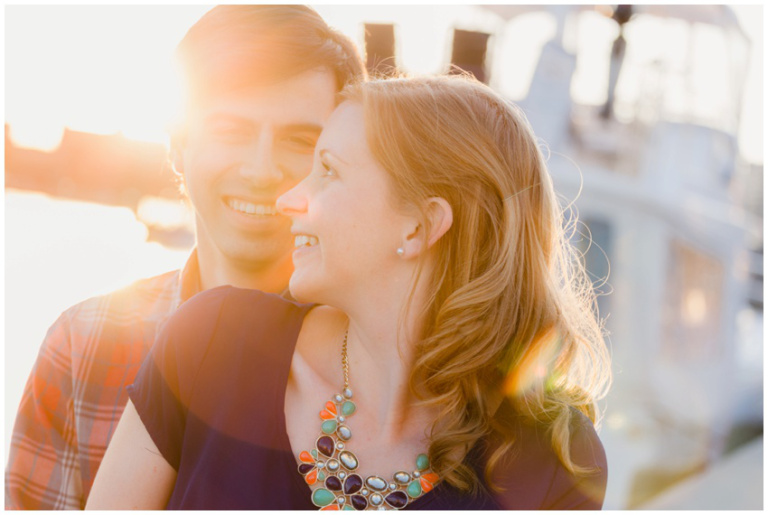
[
  {"x": 243, "y": 150},
  {"x": 260, "y": 84}
]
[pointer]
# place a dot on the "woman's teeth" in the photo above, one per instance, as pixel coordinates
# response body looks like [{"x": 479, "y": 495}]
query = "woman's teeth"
[
  {"x": 305, "y": 241},
  {"x": 252, "y": 209}
]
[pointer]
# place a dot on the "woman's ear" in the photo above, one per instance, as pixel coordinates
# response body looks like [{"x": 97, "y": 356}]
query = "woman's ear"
[{"x": 440, "y": 217}]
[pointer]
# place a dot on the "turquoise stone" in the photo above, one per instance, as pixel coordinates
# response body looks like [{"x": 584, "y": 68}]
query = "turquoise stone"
[
  {"x": 320, "y": 476},
  {"x": 348, "y": 507},
  {"x": 348, "y": 408},
  {"x": 313, "y": 452},
  {"x": 414, "y": 489},
  {"x": 329, "y": 426},
  {"x": 422, "y": 462},
  {"x": 322, "y": 497}
]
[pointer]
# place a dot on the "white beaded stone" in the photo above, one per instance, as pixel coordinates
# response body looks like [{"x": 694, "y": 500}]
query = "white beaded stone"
[
  {"x": 341, "y": 499},
  {"x": 402, "y": 477},
  {"x": 416, "y": 473},
  {"x": 342, "y": 474},
  {"x": 341, "y": 418},
  {"x": 320, "y": 464},
  {"x": 364, "y": 491},
  {"x": 339, "y": 445},
  {"x": 347, "y": 393},
  {"x": 338, "y": 398},
  {"x": 392, "y": 486}
]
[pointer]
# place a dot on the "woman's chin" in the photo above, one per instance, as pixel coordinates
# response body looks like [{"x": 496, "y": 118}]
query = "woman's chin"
[{"x": 303, "y": 292}]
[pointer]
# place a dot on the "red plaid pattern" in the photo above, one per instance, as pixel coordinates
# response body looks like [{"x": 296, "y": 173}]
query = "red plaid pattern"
[{"x": 76, "y": 394}]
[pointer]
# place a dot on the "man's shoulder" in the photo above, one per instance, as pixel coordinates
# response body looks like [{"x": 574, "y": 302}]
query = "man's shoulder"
[
  {"x": 128, "y": 315},
  {"x": 146, "y": 295}
]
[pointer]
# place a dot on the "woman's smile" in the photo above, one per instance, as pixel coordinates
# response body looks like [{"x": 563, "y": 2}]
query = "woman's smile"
[{"x": 304, "y": 244}]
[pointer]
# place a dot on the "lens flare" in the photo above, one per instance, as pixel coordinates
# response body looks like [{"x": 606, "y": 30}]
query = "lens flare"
[{"x": 534, "y": 369}]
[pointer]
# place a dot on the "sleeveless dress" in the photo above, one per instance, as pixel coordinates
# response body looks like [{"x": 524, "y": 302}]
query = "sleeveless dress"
[{"x": 211, "y": 395}]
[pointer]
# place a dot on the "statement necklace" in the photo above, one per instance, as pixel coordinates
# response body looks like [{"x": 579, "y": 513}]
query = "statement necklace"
[{"x": 333, "y": 466}]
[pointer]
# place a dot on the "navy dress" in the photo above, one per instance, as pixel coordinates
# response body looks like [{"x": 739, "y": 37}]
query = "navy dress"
[{"x": 211, "y": 395}]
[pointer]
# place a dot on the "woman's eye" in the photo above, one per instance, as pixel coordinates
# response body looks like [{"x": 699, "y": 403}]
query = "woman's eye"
[{"x": 327, "y": 171}]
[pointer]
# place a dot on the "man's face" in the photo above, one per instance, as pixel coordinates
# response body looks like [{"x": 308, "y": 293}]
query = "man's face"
[{"x": 244, "y": 150}]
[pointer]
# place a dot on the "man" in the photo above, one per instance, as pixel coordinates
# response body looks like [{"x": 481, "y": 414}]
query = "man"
[{"x": 260, "y": 83}]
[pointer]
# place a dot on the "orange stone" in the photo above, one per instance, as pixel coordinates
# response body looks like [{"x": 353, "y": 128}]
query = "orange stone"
[
  {"x": 330, "y": 406},
  {"x": 426, "y": 486},
  {"x": 326, "y": 416},
  {"x": 431, "y": 477},
  {"x": 311, "y": 478},
  {"x": 306, "y": 457},
  {"x": 330, "y": 507}
]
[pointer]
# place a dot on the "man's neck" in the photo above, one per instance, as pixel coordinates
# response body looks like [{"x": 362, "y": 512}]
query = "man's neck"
[{"x": 271, "y": 278}]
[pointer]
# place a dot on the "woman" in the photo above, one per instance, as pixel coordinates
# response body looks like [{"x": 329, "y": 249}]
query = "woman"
[{"x": 450, "y": 359}]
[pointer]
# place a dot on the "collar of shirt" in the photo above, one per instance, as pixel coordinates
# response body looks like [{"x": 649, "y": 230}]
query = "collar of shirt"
[{"x": 189, "y": 281}]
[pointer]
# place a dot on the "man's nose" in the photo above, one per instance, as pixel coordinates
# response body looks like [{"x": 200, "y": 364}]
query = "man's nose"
[{"x": 258, "y": 165}]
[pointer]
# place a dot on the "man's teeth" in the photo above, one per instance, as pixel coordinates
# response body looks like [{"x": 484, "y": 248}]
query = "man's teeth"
[
  {"x": 252, "y": 209},
  {"x": 303, "y": 240}
]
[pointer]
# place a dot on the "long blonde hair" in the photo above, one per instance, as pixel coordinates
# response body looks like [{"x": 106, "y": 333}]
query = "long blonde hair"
[{"x": 511, "y": 310}]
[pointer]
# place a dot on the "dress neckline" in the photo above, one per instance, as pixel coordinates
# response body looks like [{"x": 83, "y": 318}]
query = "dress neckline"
[{"x": 283, "y": 429}]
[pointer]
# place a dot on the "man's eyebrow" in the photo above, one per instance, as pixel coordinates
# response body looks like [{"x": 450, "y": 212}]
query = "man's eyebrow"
[
  {"x": 226, "y": 117},
  {"x": 301, "y": 127}
]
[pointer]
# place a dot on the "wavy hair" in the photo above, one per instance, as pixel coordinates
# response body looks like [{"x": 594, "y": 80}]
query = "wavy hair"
[{"x": 511, "y": 312}]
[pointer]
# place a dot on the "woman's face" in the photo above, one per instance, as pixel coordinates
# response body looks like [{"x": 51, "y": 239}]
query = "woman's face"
[{"x": 347, "y": 229}]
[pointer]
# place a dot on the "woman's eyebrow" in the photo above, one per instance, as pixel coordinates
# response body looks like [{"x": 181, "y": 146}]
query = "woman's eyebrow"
[{"x": 334, "y": 156}]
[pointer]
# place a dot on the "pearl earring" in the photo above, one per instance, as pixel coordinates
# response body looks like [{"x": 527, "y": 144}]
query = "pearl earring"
[{"x": 400, "y": 251}]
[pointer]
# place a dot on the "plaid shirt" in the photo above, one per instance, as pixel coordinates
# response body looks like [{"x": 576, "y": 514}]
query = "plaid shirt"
[{"x": 76, "y": 394}]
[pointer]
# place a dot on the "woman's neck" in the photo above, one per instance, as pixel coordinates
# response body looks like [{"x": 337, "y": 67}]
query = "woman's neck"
[{"x": 381, "y": 345}]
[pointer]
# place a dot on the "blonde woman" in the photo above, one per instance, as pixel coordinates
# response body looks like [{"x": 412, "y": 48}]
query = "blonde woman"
[{"x": 443, "y": 352}]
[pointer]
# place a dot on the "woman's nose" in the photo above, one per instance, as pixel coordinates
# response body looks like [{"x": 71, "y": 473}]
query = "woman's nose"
[{"x": 293, "y": 201}]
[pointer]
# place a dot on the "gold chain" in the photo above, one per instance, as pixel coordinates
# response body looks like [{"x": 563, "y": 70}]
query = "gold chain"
[{"x": 345, "y": 360}]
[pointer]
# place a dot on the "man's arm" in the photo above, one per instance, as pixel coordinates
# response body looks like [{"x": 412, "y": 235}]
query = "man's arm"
[
  {"x": 43, "y": 471},
  {"x": 133, "y": 474}
]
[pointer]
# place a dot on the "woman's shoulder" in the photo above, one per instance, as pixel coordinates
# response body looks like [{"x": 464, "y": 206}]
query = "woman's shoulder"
[
  {"x": 227, "y": 303},
  {"x": 532, "y": 476},
  {"x": 230, "y": 321},
  {"x": 237, "y": 297}
]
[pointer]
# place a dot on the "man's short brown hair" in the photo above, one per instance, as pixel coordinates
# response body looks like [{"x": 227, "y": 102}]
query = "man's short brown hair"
[{"x": 237, "y": 46}]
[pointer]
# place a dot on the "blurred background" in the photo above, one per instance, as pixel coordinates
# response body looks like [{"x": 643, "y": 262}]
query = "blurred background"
[{"x": 653, "y": 120}]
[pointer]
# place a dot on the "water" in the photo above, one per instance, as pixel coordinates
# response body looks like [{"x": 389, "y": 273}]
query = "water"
[{"x": 57, "y": 253}]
